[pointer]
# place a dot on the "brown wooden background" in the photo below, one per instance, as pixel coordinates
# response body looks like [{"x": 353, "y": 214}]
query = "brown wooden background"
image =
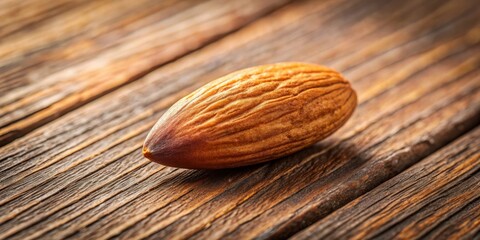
[{"x": 82, "y": 82}]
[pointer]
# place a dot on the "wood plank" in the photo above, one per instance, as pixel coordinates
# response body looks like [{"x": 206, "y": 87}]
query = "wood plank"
[
  {"x": 18, "y": 15},
  {"x": 101, "y": 46},
  {"x": 83, "y": 176},
  {"x": 464, "y": 224},
  {"x": 416, "y": 202},
  {"x": 39, "y": 53}
]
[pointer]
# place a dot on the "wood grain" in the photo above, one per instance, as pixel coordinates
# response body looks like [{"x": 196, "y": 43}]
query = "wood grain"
[
  {"x": 17, "y": 16},
  {"x": 100, "y": 46},
  {"x": 417, "y": 76},
  {"x": 416, "y": 202},
  {"x": 463, "y": 224}
]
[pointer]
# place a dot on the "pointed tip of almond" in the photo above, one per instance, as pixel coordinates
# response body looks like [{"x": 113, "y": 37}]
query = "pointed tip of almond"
[
  {"x": 168, "y": 150},
  {"x": 147, "y": 153}
]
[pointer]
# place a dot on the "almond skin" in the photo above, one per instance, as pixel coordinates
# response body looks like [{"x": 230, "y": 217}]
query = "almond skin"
[{"x": 252, "y": 116}]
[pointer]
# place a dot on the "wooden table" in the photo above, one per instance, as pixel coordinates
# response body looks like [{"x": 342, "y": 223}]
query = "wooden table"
[{"x": 82, "y": 82}]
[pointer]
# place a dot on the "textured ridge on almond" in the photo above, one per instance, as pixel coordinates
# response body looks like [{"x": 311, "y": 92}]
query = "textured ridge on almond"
[{"x": 252, "y": 116}]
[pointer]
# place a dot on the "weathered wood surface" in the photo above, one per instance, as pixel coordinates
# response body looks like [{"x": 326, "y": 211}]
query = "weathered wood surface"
[
  {"x": 417, "y": 203},
  {"x": 414, "y": 64}
]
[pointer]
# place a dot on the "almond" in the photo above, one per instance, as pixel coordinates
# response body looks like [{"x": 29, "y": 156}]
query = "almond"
[{"x": 252, "y": 116}]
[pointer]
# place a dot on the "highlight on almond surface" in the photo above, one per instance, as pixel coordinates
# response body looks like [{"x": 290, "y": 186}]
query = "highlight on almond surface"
[{"x": 252, "y": 116}]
